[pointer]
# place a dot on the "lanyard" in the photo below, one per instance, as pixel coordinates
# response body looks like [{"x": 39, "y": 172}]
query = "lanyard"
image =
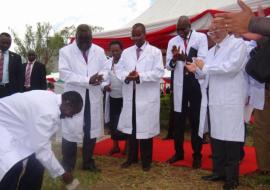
[{"x": 186, "y": 41}]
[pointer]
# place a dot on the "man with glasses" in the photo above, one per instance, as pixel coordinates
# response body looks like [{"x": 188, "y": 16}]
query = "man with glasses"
[
  {"x": 187, "y": 94},
  {"x": 227, "y": 96}
]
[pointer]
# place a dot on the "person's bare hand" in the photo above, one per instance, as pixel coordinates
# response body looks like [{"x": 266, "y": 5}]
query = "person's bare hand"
[
  {"x": 199, "y": 63},
  {"x": 191, "y": 67},
  {"x": 108, "y": 88},
  {"x": 133, "y": 76},
  {"x": 235, "y": 22},
  {"x": 96, "y": 79},
  {"x": 178, "y": 55},
  {"x": 67, "y": 177}
]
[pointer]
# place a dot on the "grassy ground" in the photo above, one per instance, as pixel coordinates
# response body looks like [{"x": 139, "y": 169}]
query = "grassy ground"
[{"x": 161, "y": 176}]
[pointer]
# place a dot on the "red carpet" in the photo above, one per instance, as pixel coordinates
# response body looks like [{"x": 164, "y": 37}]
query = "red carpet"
[{"x": 163, "y": 150}]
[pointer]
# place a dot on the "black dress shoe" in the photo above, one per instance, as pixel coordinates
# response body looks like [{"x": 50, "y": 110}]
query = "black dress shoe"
[
  {"x": 174, "y": 159},
  {"x": 230, "y": 186},
  {"x": 213, "y": 177},
  {"x": 126, "y": 164},
  {"x": 197, "y": 163},
  {"x": 91, "y": 168},
  {"x": 146, "y": 168}
]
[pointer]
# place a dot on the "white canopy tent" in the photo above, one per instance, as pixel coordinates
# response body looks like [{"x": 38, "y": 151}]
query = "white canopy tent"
[{"x": 164, "y": 13}]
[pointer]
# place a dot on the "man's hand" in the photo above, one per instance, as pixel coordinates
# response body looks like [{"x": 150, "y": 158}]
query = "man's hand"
[
  {"x": 108, "y": 88},
  {"x": 199, "y": 63},
  {"x": 67, "y": 177},
  {"x": 96, "y": 79},
  {"x": 133, "y": 76},
  {"x": 177, "y": 56},
  {"x": 236, "y": 22},
  {"x": 191, "y": 67}
]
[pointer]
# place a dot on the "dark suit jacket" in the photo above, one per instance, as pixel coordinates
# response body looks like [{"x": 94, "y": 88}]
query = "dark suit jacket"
[
  {"x": 15, "y": 73},
  {"x": 38, "y": 76}
]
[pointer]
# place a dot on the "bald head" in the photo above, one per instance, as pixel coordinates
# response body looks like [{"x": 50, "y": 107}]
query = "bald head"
[
  {"x": 183, "y": 26},
  {"x": 215, "y": 34},
  {"x": 84, "y": 37}
]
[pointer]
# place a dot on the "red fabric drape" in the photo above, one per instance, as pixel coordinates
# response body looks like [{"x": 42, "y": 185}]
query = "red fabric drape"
[{"x": 158, "y": 38}]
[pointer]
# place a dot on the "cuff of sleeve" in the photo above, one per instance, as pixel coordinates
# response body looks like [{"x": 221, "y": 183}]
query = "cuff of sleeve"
[
  {"x": 126, "y": 81},
  {"x": 204, "y": 69},
  {"x": 172, "y": 64},
  {"x": 58, "y": 173},
  {"x": 251, "y": 25},
  {"x": 138, "y": 81}
]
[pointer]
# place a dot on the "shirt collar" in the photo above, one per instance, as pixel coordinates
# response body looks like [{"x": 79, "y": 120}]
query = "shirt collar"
[
  {"x": 223, "y": 41},
  {"x": 31, "y": 62},
  {"x": 143, "y": 46}
]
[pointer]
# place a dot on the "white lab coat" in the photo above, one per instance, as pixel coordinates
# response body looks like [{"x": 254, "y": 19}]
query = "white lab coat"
[
  {"x": 203, "y": 126},
  {"x": 27, "y": 122},
  {"x": 76, "y": 74},
  {"x": 227, "y": 89},
  {"x": 116, "y": 86},
  {"x": 199, "y": 42},
  {"x": 150, "y": 68}
]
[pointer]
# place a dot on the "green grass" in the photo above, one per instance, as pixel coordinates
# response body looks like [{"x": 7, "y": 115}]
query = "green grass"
[{"x": 161, "y": 177}]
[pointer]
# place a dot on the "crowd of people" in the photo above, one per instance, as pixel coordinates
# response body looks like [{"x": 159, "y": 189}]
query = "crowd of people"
[{"x": 210, "y": 87}]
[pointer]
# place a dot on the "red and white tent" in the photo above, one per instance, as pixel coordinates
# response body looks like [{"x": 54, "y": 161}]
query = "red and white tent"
[{"x": 160, "y": 19}]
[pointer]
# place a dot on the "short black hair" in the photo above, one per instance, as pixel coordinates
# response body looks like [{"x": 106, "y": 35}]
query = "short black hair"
[
  {"x": 84, "y": 28},
  {"x": 139, "y": 25},
  {"x": 116, "y": 42},
  {"x": 73, "y": 99},
  {"x": 5, "y": 34}
]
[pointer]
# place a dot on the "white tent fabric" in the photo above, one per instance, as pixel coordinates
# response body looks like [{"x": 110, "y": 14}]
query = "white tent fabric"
[{"x": 165, "y": 13}]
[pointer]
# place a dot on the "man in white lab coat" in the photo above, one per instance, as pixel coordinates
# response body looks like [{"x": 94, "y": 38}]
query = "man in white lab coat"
[
  {"x": 186, "y": 88},
  {"x": 80, "y": 67},
  {"x": 27, "y": 122},
  {"x": 140, "y": 68},
  {"x": 227, "y": 94}
]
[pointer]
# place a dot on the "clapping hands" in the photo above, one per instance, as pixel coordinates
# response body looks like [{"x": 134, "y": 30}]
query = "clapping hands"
[
  {"x": 197, "y": 63},
  {"x": 133, "y": 76},
  {"x": 178, "y": 55},
  {"x": 96, "y": 79}
]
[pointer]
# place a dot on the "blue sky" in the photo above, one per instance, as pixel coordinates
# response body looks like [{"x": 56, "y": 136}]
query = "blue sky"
[{"x": 110, "y": 14}]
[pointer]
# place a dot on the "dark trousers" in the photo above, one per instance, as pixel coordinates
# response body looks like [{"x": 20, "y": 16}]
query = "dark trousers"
[
  {"x": 116, "y": 105},
  {"x": 170, "y": 133},
  {"x": 4, "y": 91},
  {"x": 11, "y": 179},
  {"x": 69, "y": 149},
  {"x": 226, "y": 155},
  {"x": 146, "y": 145},
  {"x": 33, "y": 175},
  {"x": 192, "y": 97}
]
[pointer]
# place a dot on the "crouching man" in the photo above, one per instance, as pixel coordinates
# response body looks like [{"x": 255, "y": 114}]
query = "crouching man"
[{"x": 27, "y": 122}]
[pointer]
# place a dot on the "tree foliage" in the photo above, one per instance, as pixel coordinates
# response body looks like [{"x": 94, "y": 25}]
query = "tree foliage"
[{"x": 45, "y": 42}]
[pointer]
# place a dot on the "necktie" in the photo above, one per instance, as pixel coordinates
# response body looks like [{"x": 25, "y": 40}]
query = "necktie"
[
  {"x": 1, "y": 65},
  {"x": 138, "y": 52},
  {"x": 185, "y": 44},
  {"x": 85, "y": 56},
  {"x": 216, "y": 49},
  {"x": 28, "y": 74}
]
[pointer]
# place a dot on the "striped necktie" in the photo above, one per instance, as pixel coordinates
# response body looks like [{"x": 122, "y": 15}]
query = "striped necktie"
[
  {"x": 28, "y": 74},
  {"x": 1, "y": 65},
  {"x": 138, "y": 52}
]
